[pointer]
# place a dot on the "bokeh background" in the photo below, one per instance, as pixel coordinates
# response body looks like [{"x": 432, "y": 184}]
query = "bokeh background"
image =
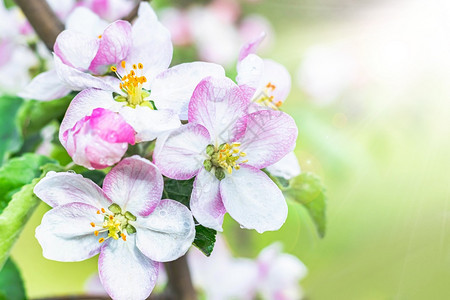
[{"x": 371, "y": 98}]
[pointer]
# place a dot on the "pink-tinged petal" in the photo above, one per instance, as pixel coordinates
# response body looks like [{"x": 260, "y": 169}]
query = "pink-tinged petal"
[
  {"x": 99, "y": 140},
  {"x": 45, "y": 87},
  {"x": 62, "y": 188},
  {"x": 263, "y": 208},
  {"x": 125, "y": 272},
  {"x": 251, "y": 47},
  {"x": 268, "y": 137},
  {"x": 114, "y": 47},
  {"x": 111, "y": 127},
  {"x": 66, "y": 234},
  {"x": 135, "y": 184},
  {"x": 181, "y": 153},
  {"x": 167, "y": 233},
  {"x": 217, "y": 103},
  {"x": 277, "y": 75},
  {"x": 152, "y": 45},
  {"x": 206, "y": 204},
  {"x": 84, "y": 104},
  {"x": 173, "y": 88},
  {"x": 78, "y": 80},
  {"x": 287, "y": 167},
  {"x": 76, "y": 49},
  {"x": 250, "y": 73},
  {"x": 150, "y": 124},
  {"x": 83, "y": 20}
]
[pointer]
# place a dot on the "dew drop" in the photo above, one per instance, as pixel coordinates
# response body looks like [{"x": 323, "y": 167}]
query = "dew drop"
[{"x": 162, "y": 213}]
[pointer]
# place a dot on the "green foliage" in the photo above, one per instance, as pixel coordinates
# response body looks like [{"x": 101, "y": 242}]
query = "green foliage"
[
  {"x": 17, "y": 200},
  {"x": 180, "y": 190},
  {"x": 35, "y": 115},
  {"x": 11, "y": 284},
  {"x": 10, "y": 137},
  {"x": 307, "y": 190},
  {"x": 205, "y": 238}
]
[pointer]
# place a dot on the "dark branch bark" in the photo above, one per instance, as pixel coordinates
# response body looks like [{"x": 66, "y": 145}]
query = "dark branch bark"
[
  {"x": 43, "y": 19},
  {"x": 134, "y": 12},
  {"x": 180, "y": 285}
]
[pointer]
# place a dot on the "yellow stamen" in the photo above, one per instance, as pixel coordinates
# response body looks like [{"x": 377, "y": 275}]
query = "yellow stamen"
[
  {"x": 92, "y": 224},
  {"x": 123, "y": 63},
  {"x": 124, "y": 237},
  {"x": 103, "y": 210},
  {"x": 114, "y": 69},
  {"x": 101, "y": 240},
  {"x": 96, "y": 233},
  {"x": 100, "y": 36}
]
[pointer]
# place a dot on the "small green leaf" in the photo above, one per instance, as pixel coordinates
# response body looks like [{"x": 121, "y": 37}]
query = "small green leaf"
[
  {"x": 11, "y": 284},
  {"x": 17, "y": 200},
  {"x": 35, "y": 115},
  {"x": 307, "y": 190},
  {"x": 205, "y": 238},
  {"x": 178, "y": 190},
  {"x": 10, "y": 137}
]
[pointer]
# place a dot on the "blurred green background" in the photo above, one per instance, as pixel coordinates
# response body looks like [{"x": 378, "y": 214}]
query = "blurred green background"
[{"x": 381, "y": 146}]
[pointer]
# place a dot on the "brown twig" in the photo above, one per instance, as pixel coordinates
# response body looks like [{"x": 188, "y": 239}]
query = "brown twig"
[
  {"x": 134, "y": 12},
  {"x": 43, "y": 19},
  {"x": 180, "y": 285}
]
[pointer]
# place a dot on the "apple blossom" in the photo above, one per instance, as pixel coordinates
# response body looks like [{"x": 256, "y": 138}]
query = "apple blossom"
[
  {"x": 225, "y": 147},
  {"x": 126, "y": 222}
]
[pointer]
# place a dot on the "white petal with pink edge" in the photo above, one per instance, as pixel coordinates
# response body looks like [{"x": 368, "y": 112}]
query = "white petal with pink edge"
[
  {"x": 268, "y": 137},
  {"x": 83, "y": 20},
  {"x": 277, "y": 76},
  {"x": 250, "y": 72},
  {"x": 148, "y": 123},
  {"x": 173, "y": 88},
  {"x": 125, "y": 272},
  {"x": 45, "y": 87},
  {"x": 57, "y": 189},
  {"x": 181, "y": 153},
  {"x": 206, "y": 204},
  {"x": 263, "y": 208},
  {"x": 251, "y": 47},
  {"x": 287, "y": 167},
  {"x": 135, "y": 184},
  {"x": 152, "y": 45},
  {"x": 65, "y": 233},
  {"x": 167, "y": 233},
  {"x": 217, "y": 103},
  {"x": 76, "y": 49}
]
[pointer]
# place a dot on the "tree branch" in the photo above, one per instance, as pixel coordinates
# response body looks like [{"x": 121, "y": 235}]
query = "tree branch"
[
  {"x": 134, "y": 12},
  {"x": 180, "y": 284},
  {"x": 43, "y": 19}
]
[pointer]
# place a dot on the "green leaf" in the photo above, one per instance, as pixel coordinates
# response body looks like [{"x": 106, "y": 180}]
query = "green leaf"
[
  {"x": 11, "y": 284},
  {"x": 17, "y": 200},
  {"x": 10, "y": 137},
  {"x": 205, "y": 238},
  {"x": 307, "y": 190},
  {"x": 178, "y": 190},
  {"x": 35, "y": 115}
]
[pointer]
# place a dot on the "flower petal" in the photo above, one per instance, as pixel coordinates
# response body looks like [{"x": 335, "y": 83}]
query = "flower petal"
[
  {"x": 66, "y": 234},
  {"x": 173, "y": 88},
  {"x": 149, "y": 124},
  {"x": 263, "y": 208},
  {"x": 78, "y": 80},
  {"x": 75, "y": 49},
  {"x": 287, "y": 167},
  {"x": 251, "y": 47},
  {"x": 277, "y": 75},
  {"x": 125, "y": 272},
  {"x": 181, "y": 153},
  {"x": 135, "y": 184},
  {"x": 217, "y": 103},
  {"x": 62, "y": 188},
  {"x": 45, "y": 86},
  {"x": 206, "y": 204},
  {"x": 167, "y": 233},
  {"x": 269, "y": 136},
  {"x": 249, "y": 72},
  {"x": 152, "y": 45},
  {"x": 84, "y": 104},
  {"x": 114, "y": 47},
  {"x": 83, "y": 20}
]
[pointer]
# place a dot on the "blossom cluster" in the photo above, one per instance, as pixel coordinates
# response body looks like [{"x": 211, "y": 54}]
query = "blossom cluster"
[{"x": 227, "y": 135}]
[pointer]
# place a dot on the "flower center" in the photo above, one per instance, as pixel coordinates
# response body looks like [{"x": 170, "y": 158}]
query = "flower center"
[
  {"x": 225, "y": 157},
  {"x": 132, "y": 86},
  {"x": 265, "y": 98},
  {"x": 115, "y": 223}
]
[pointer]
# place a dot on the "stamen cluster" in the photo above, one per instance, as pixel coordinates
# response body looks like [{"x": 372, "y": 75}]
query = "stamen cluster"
[
  {"x": 266, "y": 100},
  {"x": 115, "y": 224},
  {"x": 131, "y": 84},
  {"x": 225, "y": 157}
]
